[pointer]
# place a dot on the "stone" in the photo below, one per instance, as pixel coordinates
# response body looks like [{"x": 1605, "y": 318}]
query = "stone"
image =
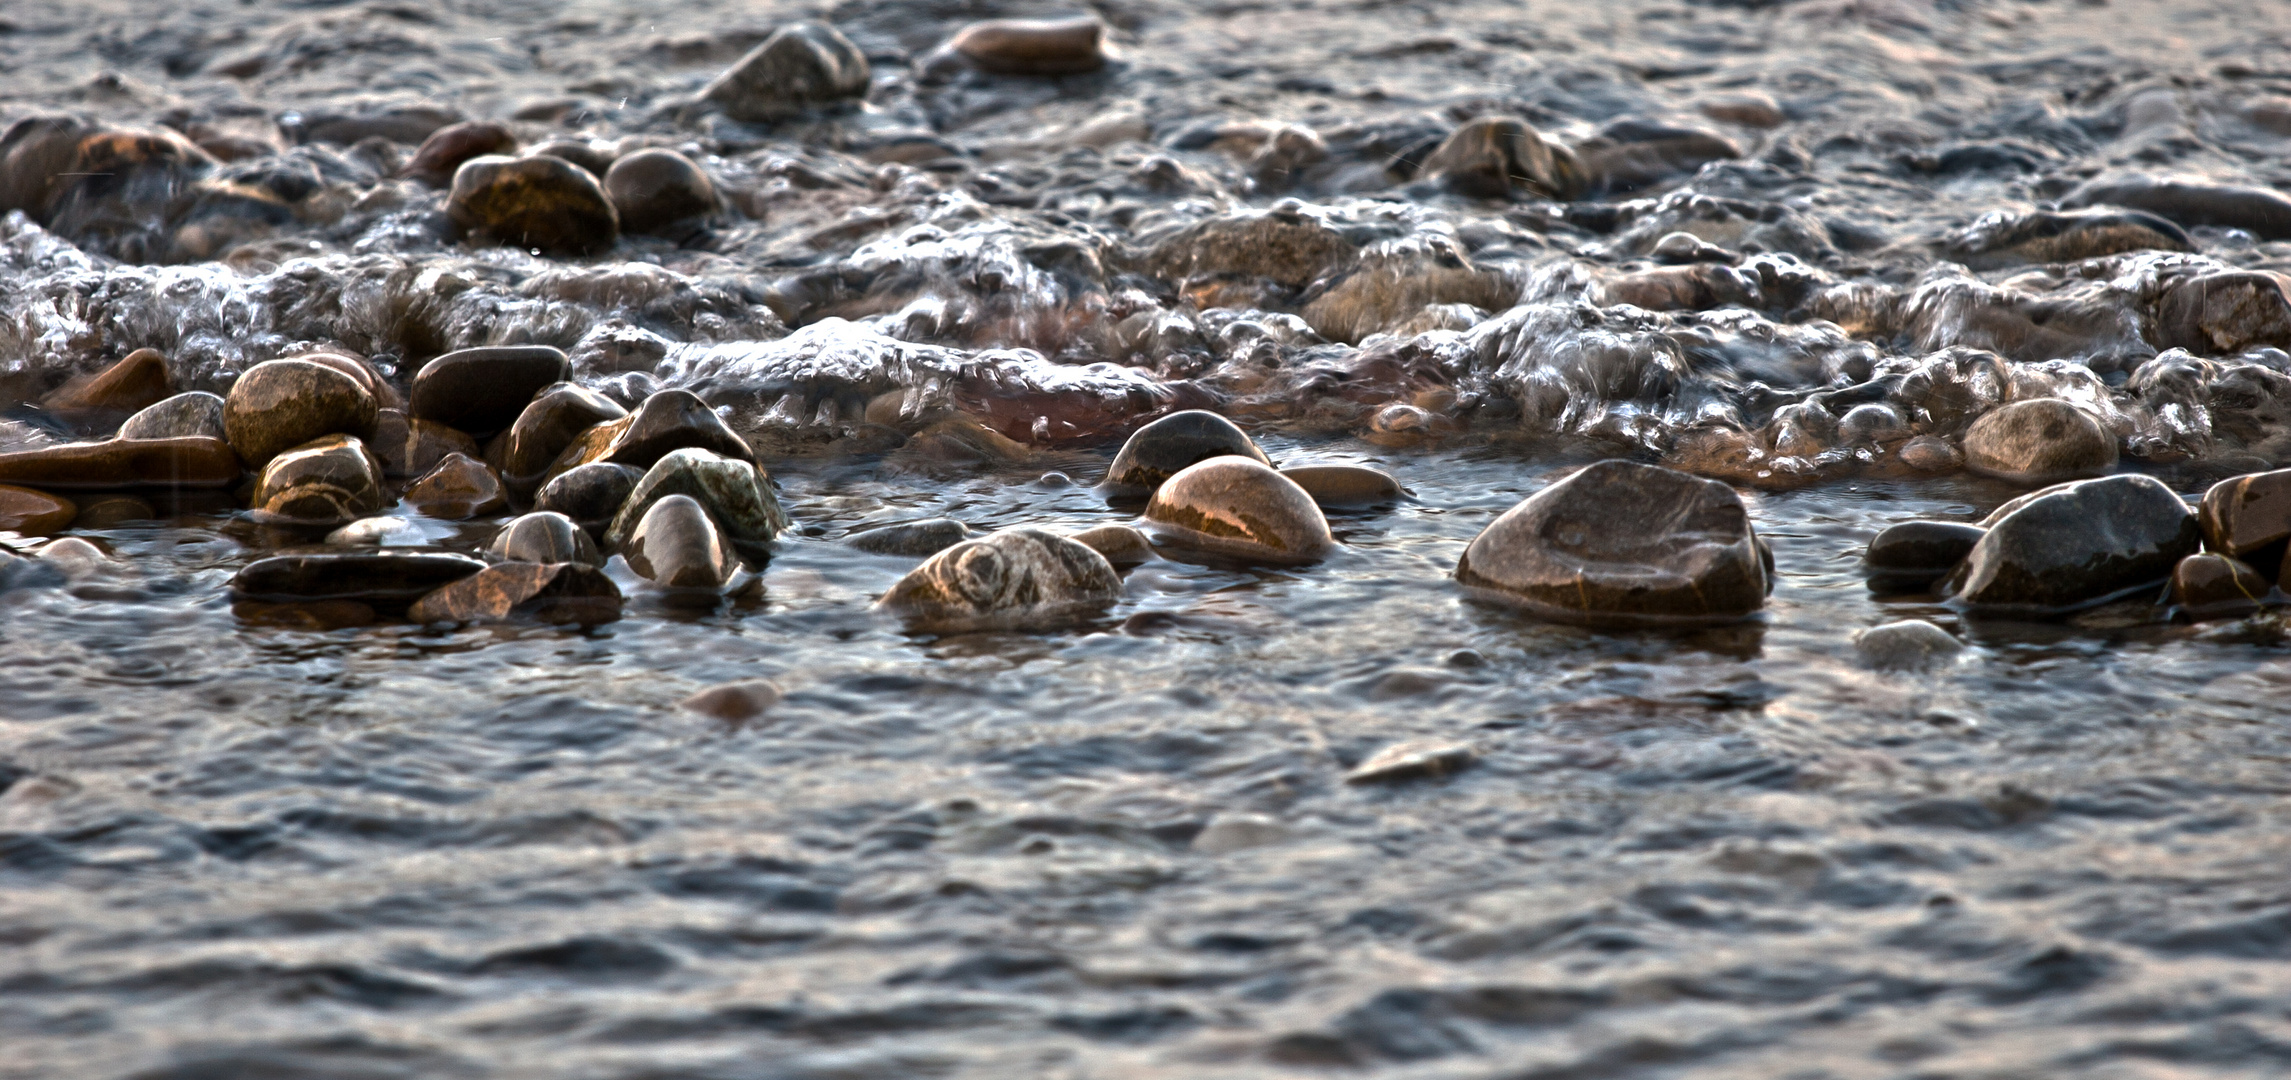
[
  {"x": 77, "y": 558},
  {"x": 2224, "y": 312},
  {"x": 677, "y": 545},
  {"x": 280, "y": 404},
  {"x": 385, "y": 396},
  {"x": 802, "y": 66},
  {"x": 655, "y": 190},
  {"x": 736, "y": 494},
  {"x": 192, "y": 415},
  {"x": 1494, "y": 157},
  {"x": 411, "y": 447},
  {"x": 2212, "y": 585},
  {"x": 1123, "y": 547},
  {"x": 2038, "y": 442},
  {"x": 1016, "y": 578},
  {"x": 2075, "y": 545},
  {"x": 1911, "y": 556},
  {"x": 34, "y": 513},
  {"x": 926, "y": 537},
  {"x": 1230, "y": 832},
  {"x": 1162, "y": 449},
  {"x": 549, "y": 424},
  {"x": 460, "y": 487},
  {"x": 483, "y": 390},
  {"x": 2261, "y": 212},
  {"x": 1621, "y": 542},
  {"x": 590, "y": 494},
  {"x": 119, "y": 464},
  {"x": 397, "y": 123},
  {"x": 1284, "y": 245},
  {"x": 1236, "y": 508},
  {"x": 1033, "y": 46},
  {"x": 1416, "y": 759},
  {"x": 668, "y": 420},
  {"x": 34, "y": 155},
  {"x": 1334, "y": 486},
  {"x": 447, "y": 147},
  {"x": 544, "y": 536},
  {"x": 545, "y": 204},
  {"x": 735, "y": 702},
  {"x": 589, "y": 154},
  {"x": 327, "y": 481},
  {"x": 384, "y": 577},
  {"x": 137, "y": 382},
  {"x": 1930, "y": 453},
  {"x": 113, "y": 511},
  {"x": 2244, "y": 514},
  {"x": 1905, "y": 645},
  {"x": 1747, "y": 108},
  {"x": 378, "y": 532},
  {"x": 1628, "y": 155},
  {"x": 2003, "y": 239},
  {"x": 552, "y": 593}
]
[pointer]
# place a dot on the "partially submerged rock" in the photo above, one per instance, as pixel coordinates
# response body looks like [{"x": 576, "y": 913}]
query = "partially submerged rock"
[
  {"x": 119, "y": 464},
  {"x": 1497, "y": 157},
  {"x": 549, "y": 593},
  {"x": 548, "y": 424},
  {"x": 1413, "y": 760},
  {"x": 1164, "y": 448},
  {"x": 280, "y": 404},
  {"x": 656, "y": 190},
  {"x": 1032, "y": 46},
  {"x": 590, "y": 494},
  {"x": 458, "y": 487},
  {"x": 1911, "y": 556},
  {"x": 1334, "y": 486},
  {"x": 803, "y": 66},
  {"x": 1235, "y": 508},
  {"x": 678, "y": 546},
  {"x": 544, "y": 537},
  {"x": 736, "y": 494},
  {"x": 2211, "y": 585},
  {"x": 926, "y": 537},
  {"x": 34, "y": 513},
  {"x": 1020, "y": 578},
  {"x": 326, "y": 481},
  {"x": 2246, "y": 513},
  {"x": 543, "y": 203},
  {"x": 2075, "y": 545},
  {"x": 2039, "y": 442},
  {"x": 194, "y": 414},
  {"x": 1124, "y": 547},
  {"x": 380, "y": 577},
  {"x": 483, "y": 390},
  {"x": 1908, "y": 644}
]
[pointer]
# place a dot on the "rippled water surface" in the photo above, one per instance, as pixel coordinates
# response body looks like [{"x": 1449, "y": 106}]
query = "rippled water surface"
[{"x": 235, "y": 843}]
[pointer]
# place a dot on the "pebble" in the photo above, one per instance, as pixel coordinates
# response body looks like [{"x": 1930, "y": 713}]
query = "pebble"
[
  {"x": 280, "y": 404},
  {"x": 735, "y": 702},
  {"x": 1016, "y": 578},
  {"x": 1623, "y": 542},
  {"x": 677, "y": 545},
  {"x": 1911, "y": 556},
  {"x": 737, "y": 495},
  {"x": 548, "y": 424},
  {"x": 1931, "y": 453},
  {"x": 483, "y": 390},
  {"x": 2001, "y": 240},
  {"x": 137, "y": 382},
  {"x": 1904, "y": 645},
  {"x": 1033, "y": 46},
  {"x": 377, "y": 577},
  {"x": 76, "y": 557},
  {"x": 1123, "y": 547},
  {"x": 447, "y": 147},
  {"x": 655, "y": 190},
  {"x": 378, "y": 532},
  {"x": 458, "y": 488},
  {"x": 2039, "y": 442},
  {"x": 666, "y": 421},
  {"x": 1162, "y": 449},
  {"x": 2246, "y": 513},
  {"x": 544, "y": 536},
  {"x": 1494, "y": 157},
  {"x": 1416, "y": 759},
  {"x": 357, "y": 368},
  {"x": 1749, "y": 109},
  {"x": 915, "y": 538},
  {"x": 112, "y": 511},
  {"x": 34, "y": 513},
  {"x": 543, "y": 203},
  {"x": 193, "y": 414},
  {"x": 1228, "y": 833},
  {"x": 802, "y": 66},
  {"x": 1282, "y": 245},
  {"x": 2212, "y": 585},
  {"x": 1237, "y": 508},
  {"x": 553, "y": 593},
  {"x": 411, "y": 447},
  {"x": 1628, "y": 155},
  {"x": 2261, "y": 212},
  {"x": 326, "y": 481},
  {"x": 2076, "y": 544},
  {"x": 589, "y": 494},
  {"x": 116, "y": 464},
  {"x": 595, "y": 157}
]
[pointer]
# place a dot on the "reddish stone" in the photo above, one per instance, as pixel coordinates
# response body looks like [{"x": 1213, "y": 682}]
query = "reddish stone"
[{"x": 545, "y": 592}]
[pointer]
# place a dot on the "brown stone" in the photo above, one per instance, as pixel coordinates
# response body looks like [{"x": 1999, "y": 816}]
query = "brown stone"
[
  {"x": 410, "y": 447},
  {"x": 1162, "y": 449},
  {"x": 736, "y": 702},
  {"x": 186, "y": 415},
  {"x": 327, "y": 481},
  {"x": 542, "y": 592},
  {"x": 1236, "y": 508},
  {"x": 1020, "y": 578},
  {"x": 678, "y": 546},
  {"x": 544, "y": 537},
  {"x": 483, "y": 390},
  {"x": 655, "y": 189},
  {"x": 459, "y": 487},
  {"x": 1033, "y": 46},
  {"x": 544, "y": 429},
  {"x": 2039, "y": 441},
  {"x": 1123, "y": 547},
  {"x": 34, "y": 154},
  {"x": 355, "y": 366},
  {"x": 123, "y": 463},
  {"x": 1493, "y": 157},
  {"x": 447, "y": 147},
  {"x": 280, "y": 404},
  {"x": 34, "y": 513},
  {"x": 668, "y": 420},
  {"x": 1345, "y": 485},
  {"x": 137, "y": 382},
  {"x": 801, "y": 67},
  {"x": 596, "y": 157},
  {"x": 368, "y": 576},
  {"x": 543, "y": 203},
  {"x": 2246, "y": 513},
  {"x": 2211, "y": 585}
]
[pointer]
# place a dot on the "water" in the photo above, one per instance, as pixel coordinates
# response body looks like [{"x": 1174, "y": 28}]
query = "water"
[{"x": 233, "y": 844}]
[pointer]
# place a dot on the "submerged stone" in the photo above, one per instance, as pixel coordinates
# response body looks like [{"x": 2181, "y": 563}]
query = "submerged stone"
[
  {"x": 194, "y": 414},
  {"x": 123, "y": 463},
  {"x": 1908, "y": 644},
  {"x": 656, "y": 189},
  {"x": 1414, "y": 760},
  {"x": 551, "y": 593},
  {"x": 1911, "y": 556},
  {"x": 2039, "y": 441},
  {"x": 545, "y": 428},
  {"x": 2246, "y": 513},
  {"x": 459, "y": 487},
  {"x": 736, "y": 494},
  {"x": 544, "y": 537},
  {"x": 1167, "y": 446},
  {"x": 1236, "y": 508},
  {"x": 1018, "y": 578},
  {"x": 1124, "y": 547},
  {"x": 589, "y": 494},
  {"x": 677, "y": 545},
  {"x": 543, "y": 203},
  {"x": 735, "y": 702},
  {"x": 381, "y": 576},
  {"x": 2075, "y": 545},
  {"x": 2211, "y": 585},
  {"x": 803, "y": 66},
  {"x": 483, "y": 390},
  {"x": 112, "y": 511},
  {"x": 326, "y": 481},
  {"x": 927, "y": 537},
  {"x": 280, "y": 404},
  {"x": 34, "y": 513}
]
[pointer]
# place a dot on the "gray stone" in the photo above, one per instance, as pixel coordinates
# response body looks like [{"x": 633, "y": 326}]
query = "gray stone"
[
  {"x": 544, "y": 537},
  {"x": 735, "y": 493},
  {"x": 196, "y": 414},
  {"x": 801, "y": 67},
  {"x": 1910, "y": 643},
  {"x": 927, "y": 537},
  {"x": 1018, "y": 578},
  {"x": 1161, "y": 449},
  {"x": 2075, "y": 545},
  {"x": 676, "y": 545}
]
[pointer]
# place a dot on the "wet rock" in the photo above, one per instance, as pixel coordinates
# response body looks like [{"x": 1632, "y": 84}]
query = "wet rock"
[
  {"x": 2014, "y": 239},
  {"x": 398, "y": 123},
  {"x": 1237, "y": 508},
  {"x": 547, "y": 426},
  {"x": 326, "y": 481},
  {"x": 656, "y": 190},
  {"x": 385, "y": 395},
  {"x": 1413, "y": 760},
  {"x": 1686, "y": 247},
  {"x": 279, "y": 404},
  {"x": 378, "y": 532},
  {"x": 594, "y": 156},
  {"x": 552, "y": 593},
  {"x": 2261, "y": 212},
  {"x": 123, "y": 463},
  {"x": 459, "y": 487},
  {"x": 544, "y": 537},
  {"x": 2211, "y": 585},
  {"x": 34, "y": 513},
  {"x": 192, "y": 415},
  {"x": 803, "y": 66},
  {"x": 1018, "y": 578},
  {"x": 77, "y": 558},
  {"x": 483, "y": 390},
  {"x": 1124, "y": 547},
  {"x": 378, "y": 577},
  {"x": 1393, "y": 284},
  {"x": 1162, "y": 449},
  {"x": 1623, "y": 542},
  {"x": 669, "y": 420},
  {"x": 542, "y": 203},
  {"x": 1905, "y": 645},
  {"x": 1228, "y": 833},
  {"x": 2039, "y": 441},
  {"x": 2224, "y": 312},
  {"x": 736, "y": 702},
  {"x": 677, "y": 545},
  {"x": 1496, "y": 157},
  {"x": 1747, "y": 108},
  {"x": 112, "y": 511},
  {"x": 410, "y": 447},
  {"x": 1931, "y": 453},
  {"x": 1032, "y": 46},
  {"x": 1283, "y": 246},
  {"x": 735, "y": 493},
  {"x": 1699, "y": 287},
  {"x": 35, "y": 154},
  {"x": 1911, "y": 556},
  {"x": 927, "y": 537},
  {"x": 136, "y": 382},
  {"x": 2075, "y": 545},
  {"x": 2246, "y": 513},
  {"x": 589, "y": 494},
  {"x": 1628, "y": 155},
  {"x": 447, "y": 147}
]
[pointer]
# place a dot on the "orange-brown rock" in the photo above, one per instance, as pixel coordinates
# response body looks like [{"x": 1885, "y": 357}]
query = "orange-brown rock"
[
  {"x": 2212, "y": 585},
  {"x": 34, "y": 513},
  {"x": 137, "y": 382},
  {"x": 1235, "y": 508},
  {"x": 1162, "y": 449},
  {"x": 2246, "y": 513},
  {"x": 542, "y": 592},
  {"x": 280, "y": 404},
  {"x": 327, "y": 481},
  {"x": 668, "y": 420},
  {"x": 1345, "y": 485},
  {"x": 1033, "y": 46},
  {"x": 544, "y": 429},
  {"x": 544, "y": 203},
  {"x": 459, "y": 487},
  {"x": 411, "y": 447},
  {"x": 123, "y": 463},
  {"x": 447, "y": 147}
]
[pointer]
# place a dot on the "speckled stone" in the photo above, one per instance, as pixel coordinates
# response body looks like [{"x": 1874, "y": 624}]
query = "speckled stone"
[
  {"x": 1020, "y": 578},
  {"x": 927, "y": 537}
]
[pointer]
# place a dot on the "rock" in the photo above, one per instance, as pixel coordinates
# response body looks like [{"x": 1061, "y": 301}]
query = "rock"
[
  {"x": 34, "y": 513},
  {"x": 410, "y": 447},
  {"x": 1911, "y": 556},
  {"x": 1236, "y": 508},
  {"x": 656, "y": 189},
  {"x": 2075, "y": 545},
  {"x": 2261, "y": 212},
  {"x": 668, "y": 420},
  {"x": 544, "y": 537},
  {"x": 1623, "y": 542},
  {"x": 2003, "y": 239},
  {"x": 548, "y": 425},
  {"x": 550, "y": 593},
  {"x": 2038, "y": 442},
  {"x": 1123, "y": 547},
  {"x": 1284, "y": 245},
  {"x": 483, "y": 390},
  {"x": 447, "y": 147},
  {"x": 1412, "y": 760},
  {"x": 1910, "y": 643},
  {"x": 279, "y": 404},
  {"x": 2246, "y": 513},
  {"x": 1033, "y": 46},
  {"x": 385, "y": 396},
  {"x": 2211, "y": 585},
  {"x": 77, "y": 558},
  {"x": 1747, "y": 108},
  {"x": 460, "y": 487},
  {"x": 121, "y": 463},
  {"x": 34, "y": 156},
  {"x": 592, "y": 155},
  {"x": 1167, "y": 446},
  {"x": 112, "y": 511},
  {"x": 590, "y": 494},
  {"x": 1930, "y": 453},
  {"x": 378, "y": 532},
  {"x": 310, "y": 616},
  {"x": 1228, "y": 832},
  {"x": 543, "y": 203},
  {"x": 192, "y": 415},
  {"x": 137, "y": 382},
  {"x": 1628, "y": 155},
  {"x": 927, "y": 537},
  {"x": 1699, "y": 287},
  {"x": 376, "y": 577},
  {"x": 326, "y": 481},
  {"x": 397, "y": 123},
  {"x": 1493, "y": 157},
  {"x": 736, "y": 702},
  {"x": 2224, "y": 312},
  {"x": 1017, "y": 578},
  {"x": 737, "y": 496},
  {"x": 676, "y": 544},
  {"x": 802, "y": 66}
]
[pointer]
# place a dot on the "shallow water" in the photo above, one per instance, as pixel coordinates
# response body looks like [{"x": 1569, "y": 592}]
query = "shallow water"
[{"x": 232, "y": 846}]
